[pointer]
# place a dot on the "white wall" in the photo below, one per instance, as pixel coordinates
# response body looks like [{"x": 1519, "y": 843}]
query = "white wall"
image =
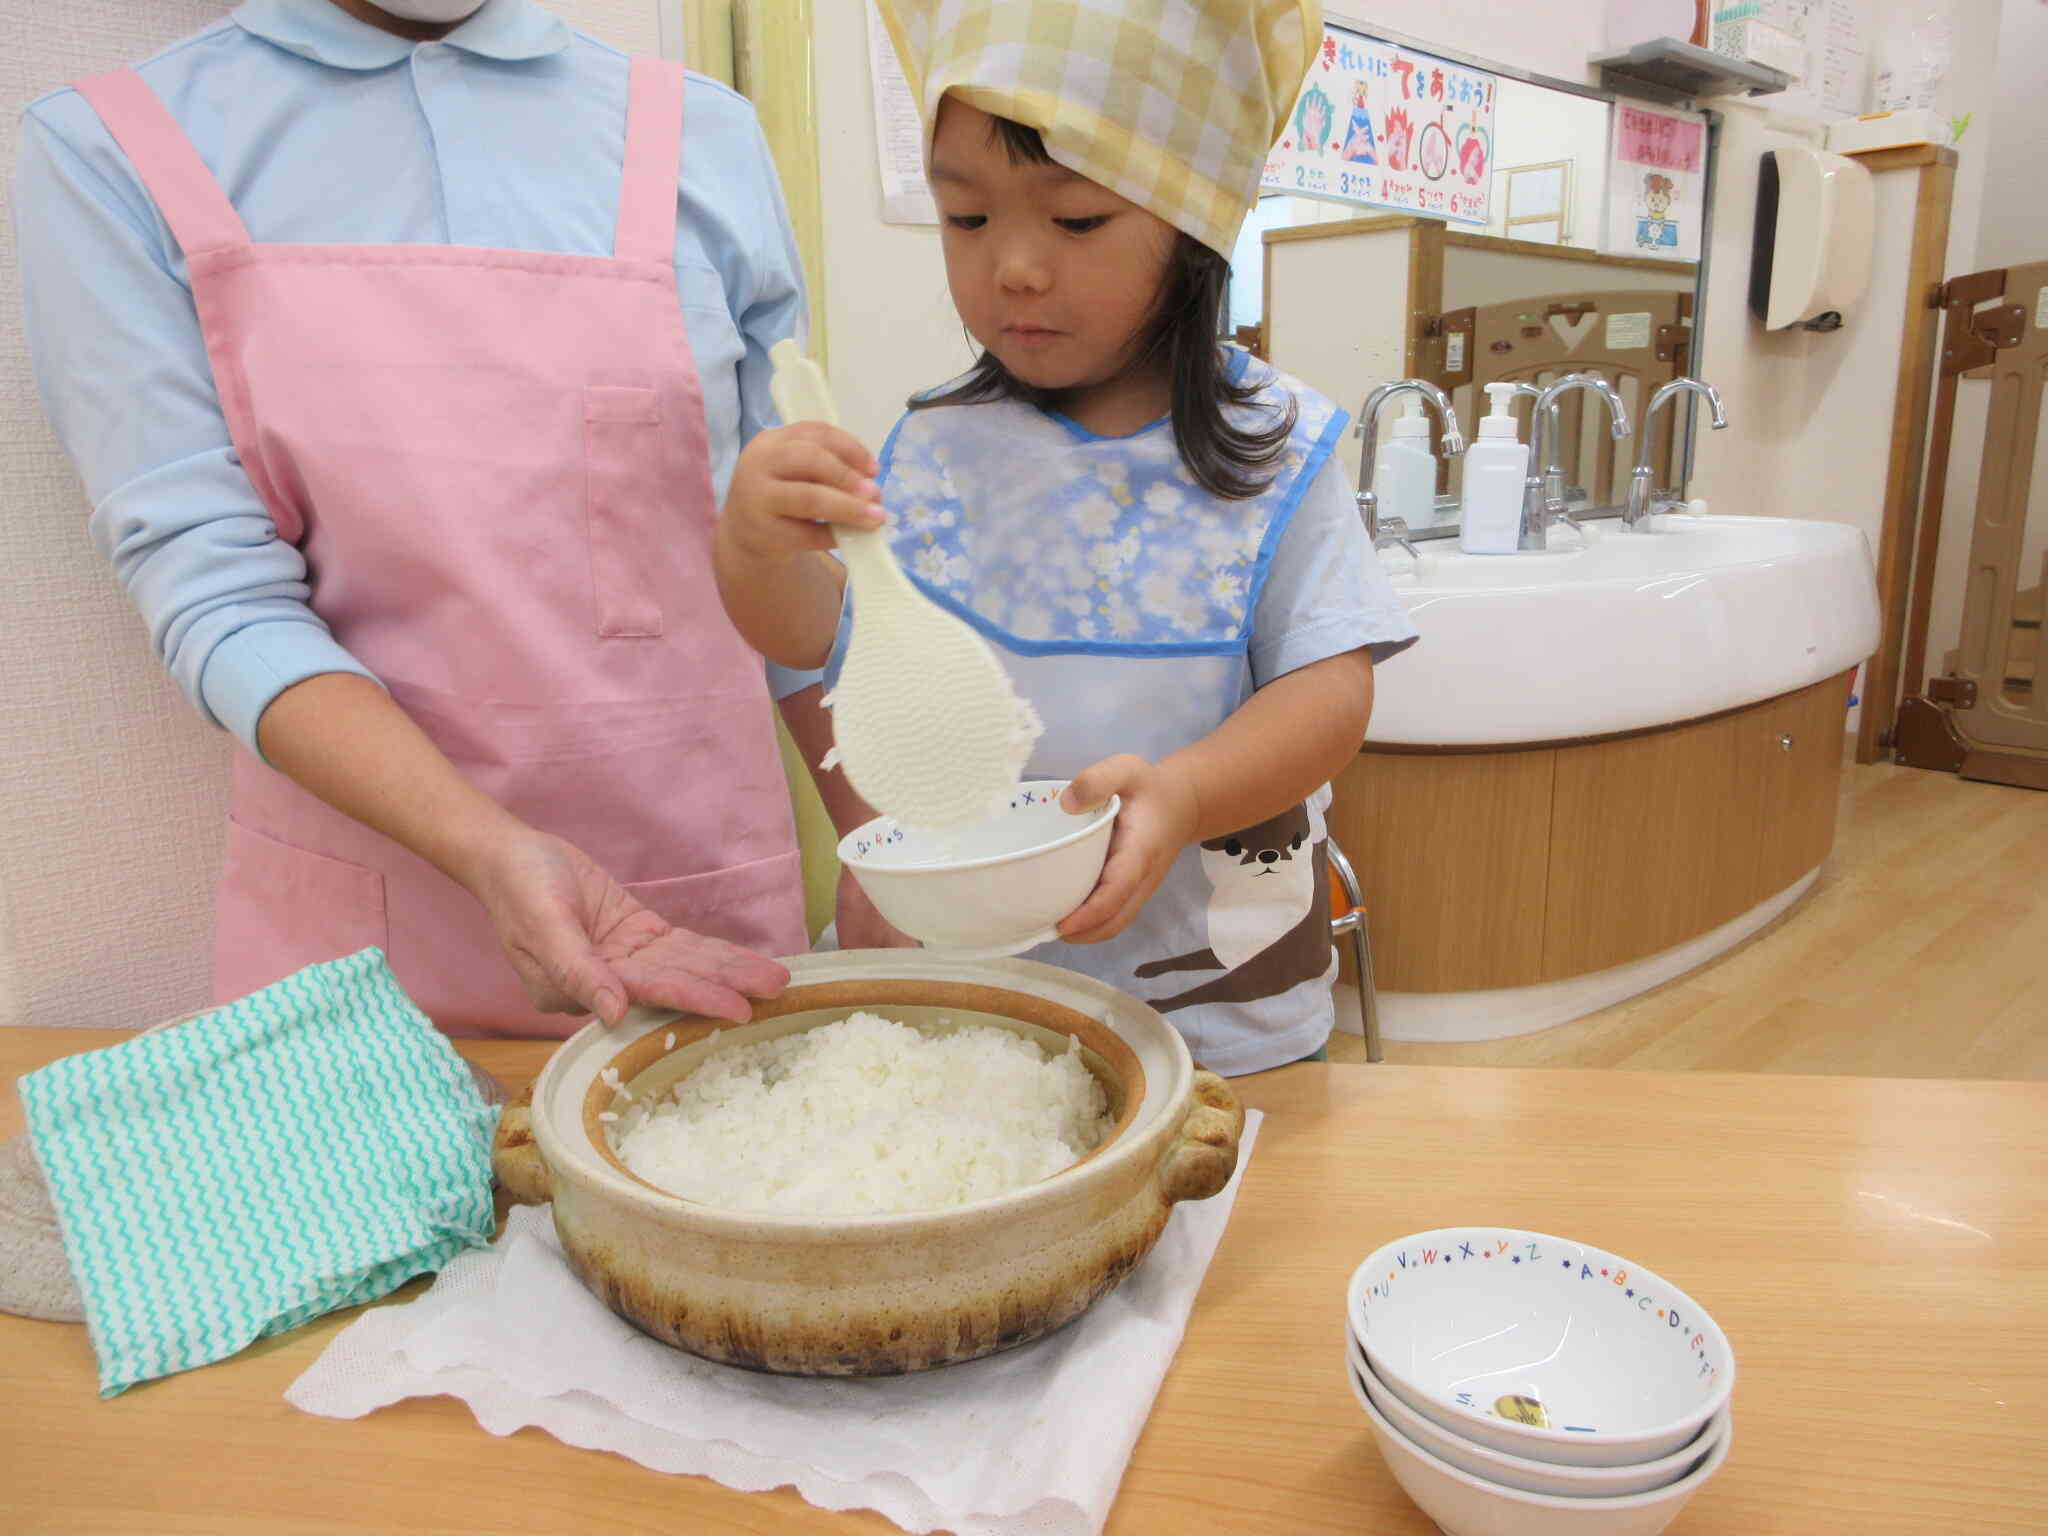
[
  {"x": 2014, "y": 223},
  {"x": 111, "y": 839},
  {"x": 2012, "y": 228},
  {"x": 1534, "y": 126},
  {"x": 1545, "y": 37},
  {"x": 890, "y": 326},
  {"x": 1810, "y": 414}
]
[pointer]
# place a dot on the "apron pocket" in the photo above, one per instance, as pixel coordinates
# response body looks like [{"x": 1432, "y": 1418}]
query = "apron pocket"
[
  {"x": 621, "y": 498},
  {"x": 758, "y": 906},
  {"x": 283, "y": 908}
]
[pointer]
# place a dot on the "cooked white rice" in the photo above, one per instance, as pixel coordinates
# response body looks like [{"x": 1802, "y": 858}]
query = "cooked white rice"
[{"x": 866, "y": 1116}]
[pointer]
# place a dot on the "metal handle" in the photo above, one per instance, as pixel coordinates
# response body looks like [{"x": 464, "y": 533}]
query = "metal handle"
[{"x": 1785, "y": 743}]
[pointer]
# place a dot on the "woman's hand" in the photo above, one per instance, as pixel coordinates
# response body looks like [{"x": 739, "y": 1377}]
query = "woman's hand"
[
  {"x": 1158, "y": 818},
  {"x": 789, "y": 484},
  {"x": 581, "y": 944}
]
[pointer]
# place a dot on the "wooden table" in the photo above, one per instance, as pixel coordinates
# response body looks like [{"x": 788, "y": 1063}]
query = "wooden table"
[{"x": 1876, "y": 1250}]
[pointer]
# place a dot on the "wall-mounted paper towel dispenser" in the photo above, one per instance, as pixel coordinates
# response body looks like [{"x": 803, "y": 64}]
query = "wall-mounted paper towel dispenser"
[{"x": 1815, "y": 221}]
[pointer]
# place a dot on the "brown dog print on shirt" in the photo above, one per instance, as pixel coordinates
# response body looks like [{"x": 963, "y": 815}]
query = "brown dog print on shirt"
[{"x": 1268, "y": 914}]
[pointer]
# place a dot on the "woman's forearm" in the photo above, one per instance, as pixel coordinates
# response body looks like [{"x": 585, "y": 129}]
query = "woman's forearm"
[{"x": 343, "y": 738}]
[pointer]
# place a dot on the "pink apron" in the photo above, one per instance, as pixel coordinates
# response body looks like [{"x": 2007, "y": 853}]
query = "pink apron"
[{"x": 495, "y": 463}]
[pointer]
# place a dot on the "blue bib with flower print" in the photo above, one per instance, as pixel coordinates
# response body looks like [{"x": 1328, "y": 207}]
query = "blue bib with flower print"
[
  {"x": 1043, "y": 534},
  {"x": 1122, "y": 597}
]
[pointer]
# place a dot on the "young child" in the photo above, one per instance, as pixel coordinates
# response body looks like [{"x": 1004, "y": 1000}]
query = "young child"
[{"x": 1151, "y": 528}]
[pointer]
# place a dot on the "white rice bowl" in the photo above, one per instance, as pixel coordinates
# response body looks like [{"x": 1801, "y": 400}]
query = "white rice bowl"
[{"x": 865, "y": 1117}]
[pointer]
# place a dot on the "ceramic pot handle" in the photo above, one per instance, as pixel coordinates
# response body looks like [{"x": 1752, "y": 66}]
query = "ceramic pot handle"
[
  {"x": 1205, "y": 1155},
  {"x": 515, "y": 1159}
]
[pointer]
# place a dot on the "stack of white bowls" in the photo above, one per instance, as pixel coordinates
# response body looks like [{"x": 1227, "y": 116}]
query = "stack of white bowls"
[{"x": 1520, "y": 1384}]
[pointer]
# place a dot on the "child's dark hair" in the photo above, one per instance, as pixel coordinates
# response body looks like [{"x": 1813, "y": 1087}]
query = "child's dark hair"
[{"x": 1226, "y": 459}]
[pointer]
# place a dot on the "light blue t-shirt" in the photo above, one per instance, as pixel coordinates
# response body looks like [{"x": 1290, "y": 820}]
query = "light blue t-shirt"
[
  {"x": 510, "y": 133},
  {"x": 1138, "y": 611}
]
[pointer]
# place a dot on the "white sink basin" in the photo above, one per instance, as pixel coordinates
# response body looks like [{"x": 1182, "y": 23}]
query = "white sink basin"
[{"x": 1683, "y": 616}]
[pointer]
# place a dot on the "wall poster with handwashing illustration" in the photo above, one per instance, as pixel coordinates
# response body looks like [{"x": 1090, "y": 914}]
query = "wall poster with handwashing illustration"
[{"x": 1389, "y": 127}]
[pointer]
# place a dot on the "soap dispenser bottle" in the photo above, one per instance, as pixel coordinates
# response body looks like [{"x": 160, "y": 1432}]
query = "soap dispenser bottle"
[
  {"x": 1405, "y": 476},
  {"x": 1496, "y": 468}
]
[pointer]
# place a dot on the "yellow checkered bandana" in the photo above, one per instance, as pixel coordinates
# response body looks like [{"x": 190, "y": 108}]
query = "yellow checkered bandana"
[{"x": 1171, "y": 104}]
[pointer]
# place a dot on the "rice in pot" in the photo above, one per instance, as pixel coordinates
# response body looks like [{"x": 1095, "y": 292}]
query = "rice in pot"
[{"x": 863, "y": 1117}]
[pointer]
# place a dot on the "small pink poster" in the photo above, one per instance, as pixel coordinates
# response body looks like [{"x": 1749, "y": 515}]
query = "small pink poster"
[
  {"x": 1663, "y": 141},
  {"x": 1656, "y": 182}
]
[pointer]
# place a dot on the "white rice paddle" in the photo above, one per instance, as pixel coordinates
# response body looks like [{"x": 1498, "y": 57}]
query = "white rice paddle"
[{"x": 925, "y": 722}]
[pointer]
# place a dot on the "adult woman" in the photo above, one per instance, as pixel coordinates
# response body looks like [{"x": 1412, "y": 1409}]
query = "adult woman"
[{"x": 404, "y": 350}]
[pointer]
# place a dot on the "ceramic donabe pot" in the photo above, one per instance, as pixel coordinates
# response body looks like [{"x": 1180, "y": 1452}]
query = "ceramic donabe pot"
[{"x": 875, "y": 1295}]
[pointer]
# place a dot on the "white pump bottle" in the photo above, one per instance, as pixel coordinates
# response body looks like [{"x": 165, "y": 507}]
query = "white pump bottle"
[
  {"x": 1405, "y": 475},
  {"x": 1496, "y": 467}
]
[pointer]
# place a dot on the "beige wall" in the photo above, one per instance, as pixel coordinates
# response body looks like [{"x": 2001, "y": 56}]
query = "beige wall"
[
  {"x": 112, "y": 835},
  {"x": 1475, "y": 278},
  {"x": 1345, "y": 362}
]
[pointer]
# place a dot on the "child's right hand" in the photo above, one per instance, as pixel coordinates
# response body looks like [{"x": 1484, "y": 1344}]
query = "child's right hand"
[
  {"x": 1159, "y": 817},
  {"x": 791, "y": 484}
]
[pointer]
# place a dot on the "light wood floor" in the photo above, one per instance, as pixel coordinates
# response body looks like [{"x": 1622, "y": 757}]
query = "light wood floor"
[{"x": 1921, "y": 951}]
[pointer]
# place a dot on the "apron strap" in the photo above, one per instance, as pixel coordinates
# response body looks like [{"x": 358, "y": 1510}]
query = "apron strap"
[
  {"x": 185, "y": 191},
  {"x": 654, "y": 161}
]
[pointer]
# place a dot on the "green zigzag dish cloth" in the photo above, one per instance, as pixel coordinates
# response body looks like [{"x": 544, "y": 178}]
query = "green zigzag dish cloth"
[{"x": 313, "y": 1146}]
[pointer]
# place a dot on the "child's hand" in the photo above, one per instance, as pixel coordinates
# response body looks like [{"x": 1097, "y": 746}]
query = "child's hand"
[
  {"x": 790, "y": 483},
  {"x": 1158, "y": 819}
]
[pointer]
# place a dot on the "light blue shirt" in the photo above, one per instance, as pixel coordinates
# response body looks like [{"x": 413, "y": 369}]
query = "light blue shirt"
[
  {"x": 1137, "y": 611},
  {"x": 510, "y": 133}
]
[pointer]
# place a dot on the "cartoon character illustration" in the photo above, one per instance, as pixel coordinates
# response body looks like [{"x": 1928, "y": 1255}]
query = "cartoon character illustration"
[
  {"x": 1656, "y": 228},
  {"x": 1360, "y": 147},
  {"x": 1398, "y": 139},
  {"x": 1313, "y": 115},
  {"x": 1269, "y": 914},
  {"x": 1433, "y": 150},
  {"x": 1472, "y": 154}
]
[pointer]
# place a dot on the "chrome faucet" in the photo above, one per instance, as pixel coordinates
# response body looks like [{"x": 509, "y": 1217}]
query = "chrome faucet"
[
  {"x": 1394, "y": 530},
  {"x": 1553, "y": 472},
  {"x": 1538, "y": 509},
  {"x": 1642, "y": 501}
]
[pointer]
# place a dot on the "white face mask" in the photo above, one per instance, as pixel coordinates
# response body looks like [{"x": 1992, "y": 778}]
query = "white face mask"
[{"x": 433, "y": 12}]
